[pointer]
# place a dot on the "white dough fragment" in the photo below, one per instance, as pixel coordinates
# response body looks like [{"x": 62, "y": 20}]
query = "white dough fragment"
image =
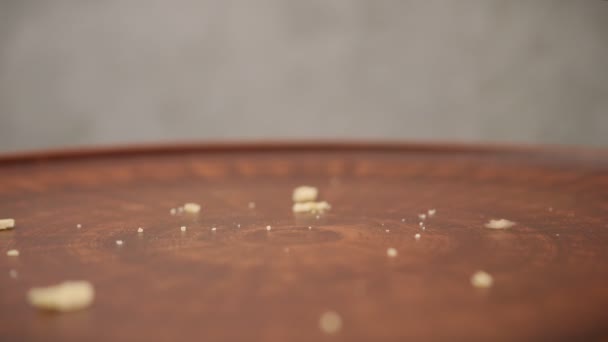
[
  {"x": 192, "y": 208},
  {"x": 311, "y": 207},
  {"x": 417, "y": 236},
  {"x": 7, "y": 223},
  {"x": 305, "y": 193},
  {"x": 432, "y": 212},
  {"x": 79, "y": 226},
  {"x": 173, "y": 211},
  {"x": 422, "y": 216},
  {"x": 12, "y": 252},
  {"x": 330, "y": 322},
  {"x": 499, "y": 224},
  {"x": 268, "y": 228},
  {"x": 119, "y": 242},
  {"x": 64, "y": 297},
  {"x": 391, "y": 252},
  {"x": 213, "y": 229},
  {"x": 182, "y": 228},
  {"x": 140, "y": 230},
  {"x": 481, "y": 279},
  {"x": 251, "y": 205}
]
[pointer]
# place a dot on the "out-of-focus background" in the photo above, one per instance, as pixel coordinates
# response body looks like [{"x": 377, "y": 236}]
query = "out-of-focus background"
[{"x": 76, "y": 73}]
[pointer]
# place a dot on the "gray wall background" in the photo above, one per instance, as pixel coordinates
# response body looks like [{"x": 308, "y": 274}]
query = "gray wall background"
[{"x": 78, "y": 73}]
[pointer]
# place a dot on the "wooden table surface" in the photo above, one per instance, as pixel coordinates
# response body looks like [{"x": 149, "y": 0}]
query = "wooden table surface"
[{"x": 246, "y": 283}]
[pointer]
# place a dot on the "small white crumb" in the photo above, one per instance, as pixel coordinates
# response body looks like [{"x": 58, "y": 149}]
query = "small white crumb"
[
  {"x": 388, "y": 230},
  {"x": 7, "y": 223},
  {"x": 79, "y": 226},
  {"x": 173, "y": 211},
  {"x": 556, "y": 234},
  {"x": 330, "y": 322},
  {"x": 499, "y": 224},
  {"x": 140, "y": 230},
  {"x": 421, "y": 224},
  {"x": 182, "y": 228},
  {"x": 251, "y": 205},
  {"x": 432, "y": 212},
  {"x": 391, "y": 252},
  {"x": 192, "y": 208},
  {"x": 119, "y": 242},
  {"x": 12, "y": 274},
  {"x": 305, "y": 193},
  {"x": 482, "y": 279},
  {"x": 309, "y": 227},
  {"x": 402, "y": 220},
  {"x": 312, "y": 207},
  {"x": 422, "y": 216},
  {"x": 423, "y": 228},
  {"x": 268, "y": 228},
  {"x": 180, "y": 209},
  {"x": 417, "y": 236},
  {"x": 67, "y": 296},
  {"x": 213, "y": 229},
  {"x": 238, "y": 225},
  {"x": 12, "y": 252}
]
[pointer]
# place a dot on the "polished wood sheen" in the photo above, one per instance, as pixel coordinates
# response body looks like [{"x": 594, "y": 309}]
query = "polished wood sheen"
[{"x": 242, "y": 282}]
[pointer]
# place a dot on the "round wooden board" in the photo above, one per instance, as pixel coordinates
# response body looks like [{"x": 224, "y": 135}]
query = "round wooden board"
[{"x": 243, "y": 282}]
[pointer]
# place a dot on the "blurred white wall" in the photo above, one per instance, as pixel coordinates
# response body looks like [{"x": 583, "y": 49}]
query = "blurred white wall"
[{"x": 104, "y": 72}]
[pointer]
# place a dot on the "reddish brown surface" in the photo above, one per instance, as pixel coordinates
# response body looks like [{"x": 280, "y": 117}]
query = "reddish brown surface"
[{"x": 550, "y": 270}]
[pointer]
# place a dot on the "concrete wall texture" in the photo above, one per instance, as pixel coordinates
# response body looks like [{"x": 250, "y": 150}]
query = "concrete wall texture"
[{"x": 76, "y": 73}]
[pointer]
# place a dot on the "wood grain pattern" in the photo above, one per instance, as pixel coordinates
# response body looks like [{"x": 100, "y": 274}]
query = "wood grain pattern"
[{"x": 246, "y": 283}]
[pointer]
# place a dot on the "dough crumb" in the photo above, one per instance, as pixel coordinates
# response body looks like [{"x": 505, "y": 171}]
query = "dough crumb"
[
  {"x": 67, "y": 296},
  {"x": 140, "y": 230},
  {"x": 482, "y": 279},
  {"x": 432, "y": 212},
  {"x": 305, "y": 193},
  {"x": 391, "y": 252},
  {"x": 499, "y": 224},
  {"x": 192, "y": 208},
  {"x": 251, "y": 205},
  {"x": 268, "y": 228},
  {"x": 422, "y": 216},
  {"x": 330, "y": 322},
  {"x": 12, "y": 252},
  {"x": 309, "y": 227},
  {"x": 119, "y": 242},
  {"x": 311, "y": 207},
  {"x": 7, "y": 223},
  {"x": 402, "y": 220},
  {"x": 182, "y": 228},
  {"x": 213, "y": 229},
  {"x": 12, "y": 274},
  {"x": 173, "y": 211},
  {"x": 417, "y": 236},
  {"x": 388, "y": 230},
  {"x": 79, "y": 226}
]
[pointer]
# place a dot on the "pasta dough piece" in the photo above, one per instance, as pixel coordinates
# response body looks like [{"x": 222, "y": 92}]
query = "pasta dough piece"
[{"x": 64, "y": 297}]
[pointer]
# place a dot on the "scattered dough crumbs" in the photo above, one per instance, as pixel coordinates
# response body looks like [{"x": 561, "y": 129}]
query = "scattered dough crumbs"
[
  {"x": 12, "y": 252},
  {"x": 330, "y": 322},
  {"x": 192, "y": 208},
  {"x": 67, "y": 296},
  {"x": 305, "y": 194},
  {"x": 417, "y": 236},
  {"x": 140, "y": 230},
  {"x": 482, "y": 279},
  {"x": 311, "y": 207},
  {"x": 7, "y": 223},
  {"x": 119, "y": 242},
  {"x": 182, "y": 228},
  {"x": 268, "y": 228},
  {"x": 432, "y": 212},
  {"x": 500, "y": 224},
  {"x": 391, "y": 252}
]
